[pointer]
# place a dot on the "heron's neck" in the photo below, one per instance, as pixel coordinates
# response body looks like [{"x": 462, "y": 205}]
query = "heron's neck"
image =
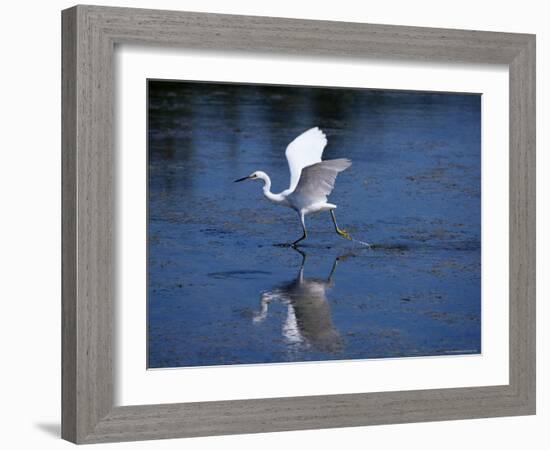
[{"x": 267, "y": 188}]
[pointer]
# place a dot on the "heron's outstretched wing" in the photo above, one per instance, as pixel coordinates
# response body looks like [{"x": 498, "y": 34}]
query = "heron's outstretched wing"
[
  {"x": 317, "y": 180},
  {"x": 304, "y": 151}
]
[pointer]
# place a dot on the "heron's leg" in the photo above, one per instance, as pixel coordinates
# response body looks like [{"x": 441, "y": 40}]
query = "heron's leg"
[
  {"x": 302, "y": 221},
  {"x": 338, "y": 230}
]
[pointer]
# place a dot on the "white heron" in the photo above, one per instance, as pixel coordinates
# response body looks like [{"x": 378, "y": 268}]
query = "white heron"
[{"x": 311, "y": 179}]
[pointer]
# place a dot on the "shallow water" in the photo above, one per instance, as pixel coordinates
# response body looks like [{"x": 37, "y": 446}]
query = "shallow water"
[{"x": 221, "y": 292}]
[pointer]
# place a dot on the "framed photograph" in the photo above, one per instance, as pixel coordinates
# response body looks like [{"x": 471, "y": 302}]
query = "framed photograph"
[{"x": 279, "y": 224}]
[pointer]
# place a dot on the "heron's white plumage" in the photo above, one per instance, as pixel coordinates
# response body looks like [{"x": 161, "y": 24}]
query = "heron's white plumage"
[
  {"x": 317, "y": 181},
  {"x": 303, "y": 151},
  {"x": 311, "y": 179}
]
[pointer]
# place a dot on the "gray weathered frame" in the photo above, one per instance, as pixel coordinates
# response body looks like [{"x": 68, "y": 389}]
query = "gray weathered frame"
[{"x": 89, "y": 36}]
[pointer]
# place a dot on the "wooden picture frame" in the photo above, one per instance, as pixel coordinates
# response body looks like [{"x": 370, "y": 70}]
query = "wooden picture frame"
[{"x": 90, "y": 34}]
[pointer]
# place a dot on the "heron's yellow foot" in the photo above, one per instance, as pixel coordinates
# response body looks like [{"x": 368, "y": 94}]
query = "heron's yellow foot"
[{"x": 344, "y": 234}]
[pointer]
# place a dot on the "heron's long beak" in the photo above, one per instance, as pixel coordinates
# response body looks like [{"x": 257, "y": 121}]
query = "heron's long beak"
[{"x": 242, "y": 179}]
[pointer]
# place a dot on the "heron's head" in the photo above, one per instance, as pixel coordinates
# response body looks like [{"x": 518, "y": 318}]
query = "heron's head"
[{"x": 258, "y": 175}]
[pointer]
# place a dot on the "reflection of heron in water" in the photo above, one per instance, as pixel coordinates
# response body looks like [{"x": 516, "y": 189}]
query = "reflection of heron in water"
[{"x": 309, "y": 319}]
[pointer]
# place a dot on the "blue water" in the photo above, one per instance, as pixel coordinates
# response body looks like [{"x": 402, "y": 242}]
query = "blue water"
[{"x": 221, "y": 292}]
